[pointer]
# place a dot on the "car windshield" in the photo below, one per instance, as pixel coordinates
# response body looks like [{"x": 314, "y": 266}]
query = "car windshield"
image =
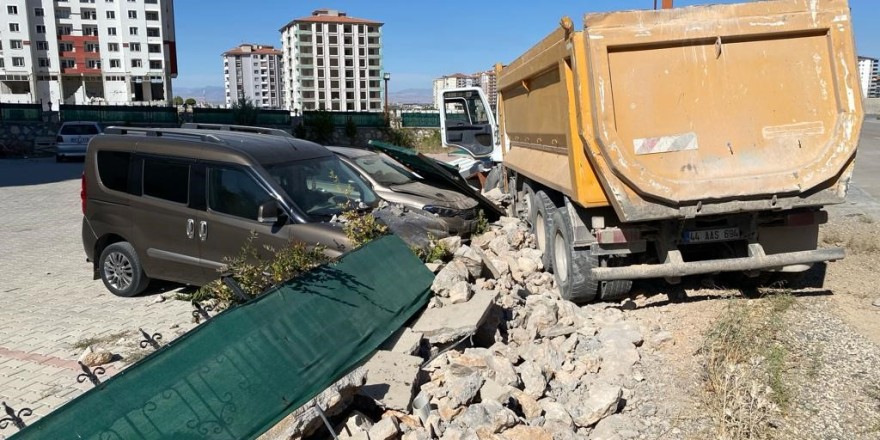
[
  {"x": 384, "y": 170},
  {"x": 323, "y": 187}
]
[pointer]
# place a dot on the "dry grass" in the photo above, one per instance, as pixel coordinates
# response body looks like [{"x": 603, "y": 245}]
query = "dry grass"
[
  {"x": 744, "y": 369},
  {"x": 84, "y": 343}
]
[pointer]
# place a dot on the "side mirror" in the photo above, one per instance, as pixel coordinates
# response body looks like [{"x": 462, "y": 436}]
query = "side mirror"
[{"x": 269, "y": 212}]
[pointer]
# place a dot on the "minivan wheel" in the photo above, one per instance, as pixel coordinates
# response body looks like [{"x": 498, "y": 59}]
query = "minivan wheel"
[{"x": 121, "y": 270}]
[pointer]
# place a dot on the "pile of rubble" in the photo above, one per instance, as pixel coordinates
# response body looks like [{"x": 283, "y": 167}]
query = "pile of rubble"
[{"x": 497, "y": 355}]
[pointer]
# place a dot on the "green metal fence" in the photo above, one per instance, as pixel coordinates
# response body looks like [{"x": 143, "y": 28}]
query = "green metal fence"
[
  {"x": 420, "y": 119},
  {"x": 273, "y": 117},
  {"x": 240, "y": 373},
  {"x": 119, "y": 114},
  {"x": 340, "y": 119},
  {"x": 213, "y": 115},
  {"x": 21, "y": 112}
]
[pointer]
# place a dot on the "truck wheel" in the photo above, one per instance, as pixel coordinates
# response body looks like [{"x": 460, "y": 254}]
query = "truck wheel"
[
  {"x": 542, "y": 227},
  {"x": 572, "y": 266},
  {"x": 121, "y": 270},
  {"x": 527, "y": 204}
]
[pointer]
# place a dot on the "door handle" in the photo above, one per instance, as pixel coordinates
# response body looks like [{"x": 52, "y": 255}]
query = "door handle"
[
  {"x": 190, "y": 228},
  {"x": 203, "y": 230}
]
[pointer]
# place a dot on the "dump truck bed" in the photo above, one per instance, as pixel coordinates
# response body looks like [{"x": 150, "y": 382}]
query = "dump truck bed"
[{"x": 693, "y": 111}]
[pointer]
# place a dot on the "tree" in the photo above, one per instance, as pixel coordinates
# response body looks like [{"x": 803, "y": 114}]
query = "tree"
[
  {"x": 244, "y": 112},
  {"x": 190, "y": 102},
  {"x": 178, "y": 101},
  {"x": 351, "y": 130}
]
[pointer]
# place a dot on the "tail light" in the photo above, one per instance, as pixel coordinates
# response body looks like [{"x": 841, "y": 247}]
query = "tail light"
[
  {"x": 59, "y": 139},
  {"x": 82, "y": 192}
]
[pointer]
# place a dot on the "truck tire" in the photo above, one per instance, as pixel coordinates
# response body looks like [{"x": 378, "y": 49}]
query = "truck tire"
[
  {"x": 572, "y": 265},
  {"x": 527, "y": 204},
  {"x": 542, "y": 227}
]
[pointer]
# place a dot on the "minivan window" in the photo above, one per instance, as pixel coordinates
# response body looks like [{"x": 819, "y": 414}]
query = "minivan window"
[
  {"x": 234, "y": 192},
  {"x": 322, "y": 187},
  {"x": 79, "y": 129},
  {"x": 113, "y": 169},
  {"x": 166, "y": 180}
]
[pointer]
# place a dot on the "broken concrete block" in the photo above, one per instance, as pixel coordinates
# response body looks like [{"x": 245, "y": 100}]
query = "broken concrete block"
[
  {"x": 391, "y": 378},
  {"x": 333, "y": 400},
  {"x": 385, "y": 429},
  {"x": 403, "y": 341},
  {"x": 454, "y": 321}
]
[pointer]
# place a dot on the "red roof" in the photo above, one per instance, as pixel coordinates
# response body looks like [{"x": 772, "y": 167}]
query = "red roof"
[
  {"x": 263, "y": 50},
  {"x": 327, "y": 18}
]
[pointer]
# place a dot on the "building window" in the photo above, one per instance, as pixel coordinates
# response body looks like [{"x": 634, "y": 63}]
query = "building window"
[
  {"x": 111, "y": 14},
  {"x": 111, "y": 31},
  {"x": 134, "y": 47},
  {"x": 331, "y": 27},
  {"x": 41, "y": 29},
  {"x": 156, "y": 64},
  {"x": 65, "y": 47},
  {"x": 132, "y": 14},
  {"x": 39, "y": 12},
  {"x": 43, "y": 62},
  {"x": 112, "y": 47},
  {"x": 154, "y": 48},
  {"x": 152, "y": 32},
  {"x": 90, "y": 30},
  {"x": 152, "y": 15},
  {"x": 12, "y": 10},
  {"x": 63, "y": 30},
  {"x": 13, "y": 27},
  {"x": 92, "y": 47},
  {"x": 2, "y": 63},
  {"x": 94, "y": 64},
  {"x": 89, "y": 14},
  {"x": 62, "y": 13},
  {"x": 15, "y": 44},
  {"x": 115, "y": 63},
  {"x": 136, "y": 63},
  {"x": 68, "y": 64},
  {"x": 42, "y": 45},
  {"x": 132, "y": 30},
  {"x": 18, "y": 61}
]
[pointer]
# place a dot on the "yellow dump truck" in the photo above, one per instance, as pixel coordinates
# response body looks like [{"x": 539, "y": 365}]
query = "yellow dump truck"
[{"x": 670, "y": 143}]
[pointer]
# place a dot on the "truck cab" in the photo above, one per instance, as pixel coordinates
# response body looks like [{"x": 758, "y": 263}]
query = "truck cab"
[{"x": 468, "y": 127}]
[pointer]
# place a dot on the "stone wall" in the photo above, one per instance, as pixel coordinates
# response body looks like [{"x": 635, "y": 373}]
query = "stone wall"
[{"x": 19, "y": 139}]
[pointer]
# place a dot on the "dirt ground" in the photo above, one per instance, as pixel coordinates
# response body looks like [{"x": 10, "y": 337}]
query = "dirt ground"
[{"x": 831, "y": 332}]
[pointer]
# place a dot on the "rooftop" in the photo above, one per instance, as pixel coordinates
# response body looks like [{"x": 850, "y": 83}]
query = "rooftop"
[
  {"x": 330, "y": 16},
  {"x": 259, "y": 49}
]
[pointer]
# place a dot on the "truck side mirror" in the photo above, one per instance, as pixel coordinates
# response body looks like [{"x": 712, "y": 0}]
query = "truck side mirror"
[{"x": 269, "y": 212}]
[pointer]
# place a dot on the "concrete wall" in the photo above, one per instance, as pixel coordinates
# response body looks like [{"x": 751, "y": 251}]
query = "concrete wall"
[{"x": 872, "y": 106}]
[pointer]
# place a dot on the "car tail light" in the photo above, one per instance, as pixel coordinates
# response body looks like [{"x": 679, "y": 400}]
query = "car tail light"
[
  {"x": 82, "y": 192},
  {"x": 59, "y": 139}
]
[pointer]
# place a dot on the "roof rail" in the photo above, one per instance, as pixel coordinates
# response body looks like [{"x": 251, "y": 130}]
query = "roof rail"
[
  {"x": 162, "y": 132},
  {"x": 237, "y": 128}
]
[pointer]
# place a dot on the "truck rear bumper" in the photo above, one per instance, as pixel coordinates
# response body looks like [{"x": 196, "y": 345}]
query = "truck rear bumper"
[{"x": 757, "y": 261}]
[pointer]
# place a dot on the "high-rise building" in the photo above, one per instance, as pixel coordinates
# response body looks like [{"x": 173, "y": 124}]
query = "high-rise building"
[
  {"x": 87, "y": 51},
  {"x": 333, "y": 62},
  {"x": 253, "y": 72},
  {"x": 485, "y": 80},
  {"x": 869, "y": 76}
]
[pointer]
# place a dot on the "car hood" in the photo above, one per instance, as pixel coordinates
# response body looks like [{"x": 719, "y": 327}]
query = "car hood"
[
  {"x": 432, "y": 170},
  {"x": 432, "y": 195}
]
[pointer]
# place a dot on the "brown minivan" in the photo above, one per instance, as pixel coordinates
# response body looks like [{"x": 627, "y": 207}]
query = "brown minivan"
[{"x": 171, "y": 204}]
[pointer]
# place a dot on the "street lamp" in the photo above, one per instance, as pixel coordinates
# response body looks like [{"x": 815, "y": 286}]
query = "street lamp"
[{"x": 387, "y": 78}]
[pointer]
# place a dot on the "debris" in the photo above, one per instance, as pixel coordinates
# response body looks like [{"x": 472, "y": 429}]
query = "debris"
[
  {"x": 92, "y": 358},
  {"x": 391, "y": 378},
  {"x": 403, "y": 341},
  {"x": 452, "y": 322}
]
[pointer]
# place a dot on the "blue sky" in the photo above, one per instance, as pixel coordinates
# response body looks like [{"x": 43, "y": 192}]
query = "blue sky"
[{"x": 422, "y": 40}]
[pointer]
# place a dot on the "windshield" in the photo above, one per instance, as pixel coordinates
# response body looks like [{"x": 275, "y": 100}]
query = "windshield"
[
  {"x": 384, "y": 170},
  {"x": 323, "y": 187}
]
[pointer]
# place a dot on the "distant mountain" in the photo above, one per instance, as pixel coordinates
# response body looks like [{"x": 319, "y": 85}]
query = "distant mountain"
[
  {"x": 211, "y": 94},
  {"x": 411, "y": 96}
]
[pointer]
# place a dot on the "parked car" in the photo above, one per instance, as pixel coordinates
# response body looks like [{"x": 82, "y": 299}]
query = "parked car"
[
  {"x": 393, "y": 182},
  {"x": 172, "y": 204},
  {"x": 73, "y": 138}
]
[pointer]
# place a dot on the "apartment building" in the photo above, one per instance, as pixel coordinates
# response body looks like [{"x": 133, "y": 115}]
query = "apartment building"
[
  {"x": 253, "y": 72},
  {"x": 485, "y": 80},
  {"x": 87, "y": 51},
  {"x": 869, "y": 77},
  {"x": 333, "y": 62}
]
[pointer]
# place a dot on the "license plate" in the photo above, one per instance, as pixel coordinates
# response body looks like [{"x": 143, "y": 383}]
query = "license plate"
[
  {"x": 710, "y": 235},
  {"x": 80, "y": 140}
]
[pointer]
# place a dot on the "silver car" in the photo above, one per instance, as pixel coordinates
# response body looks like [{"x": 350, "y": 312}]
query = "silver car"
[
  {"x": 73, "y": 138},
  {"x": 394, "y": 183}
]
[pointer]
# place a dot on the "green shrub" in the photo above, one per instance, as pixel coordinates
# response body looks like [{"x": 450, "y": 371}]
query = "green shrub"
[{"x": 362, "y": 228}]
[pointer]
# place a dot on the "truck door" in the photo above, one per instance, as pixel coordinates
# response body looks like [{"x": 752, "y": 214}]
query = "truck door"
[{"x": 467, "y": 122}]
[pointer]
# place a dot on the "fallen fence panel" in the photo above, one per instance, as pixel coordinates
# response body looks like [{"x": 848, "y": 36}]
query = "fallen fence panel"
[{"x": 238, "y": 374}]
